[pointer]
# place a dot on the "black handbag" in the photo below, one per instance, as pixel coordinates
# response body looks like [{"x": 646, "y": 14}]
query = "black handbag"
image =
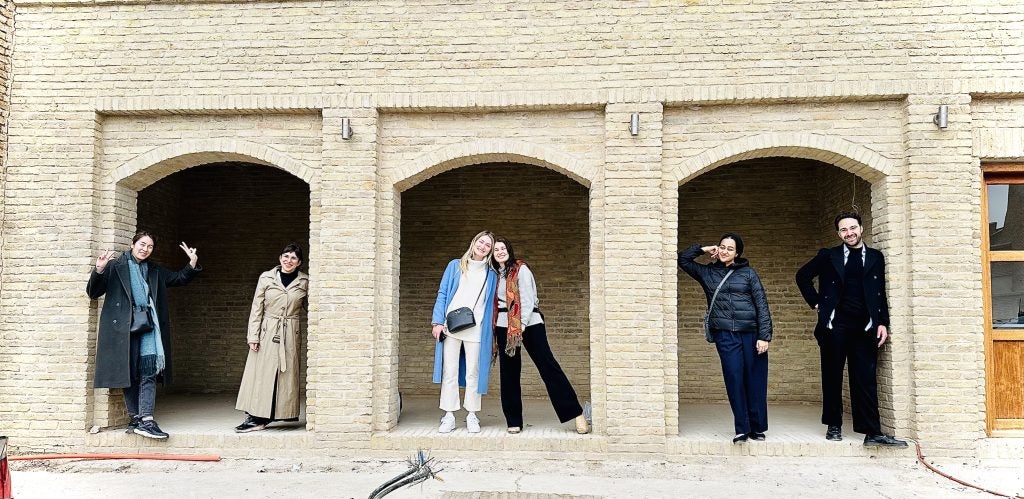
[
  {"x": 462, "y": 318},
  {"x": 142, "y": 320}
]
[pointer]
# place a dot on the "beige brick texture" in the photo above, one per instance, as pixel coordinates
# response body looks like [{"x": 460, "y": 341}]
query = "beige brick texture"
[{"x": 124, "y": 113}]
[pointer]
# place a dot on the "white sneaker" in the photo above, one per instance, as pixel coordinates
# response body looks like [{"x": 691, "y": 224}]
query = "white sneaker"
[
  {"x": 447, "y": 423},
  {"x": 472, "y": 423}
]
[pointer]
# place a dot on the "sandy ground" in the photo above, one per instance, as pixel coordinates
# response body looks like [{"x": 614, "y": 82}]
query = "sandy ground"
[{"x": 833, "y": 478}]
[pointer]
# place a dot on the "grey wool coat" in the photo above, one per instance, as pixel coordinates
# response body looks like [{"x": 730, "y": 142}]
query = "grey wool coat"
[
  {"x": 276, "y": 313},
  {"x": 114, "y": 339}
]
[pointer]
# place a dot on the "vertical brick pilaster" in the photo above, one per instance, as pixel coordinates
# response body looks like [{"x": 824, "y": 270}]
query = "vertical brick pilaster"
[
  {"x": 634, "y": 311},
  {"x": 943, "y": 186},
  {"x": 342, "y": 318}
]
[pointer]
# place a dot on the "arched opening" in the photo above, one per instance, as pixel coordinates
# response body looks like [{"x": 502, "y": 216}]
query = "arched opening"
[
  {"x": 783, "y": 208},
  {"x": 239, "y": 215},
  {"x": 546, "y": 215}
]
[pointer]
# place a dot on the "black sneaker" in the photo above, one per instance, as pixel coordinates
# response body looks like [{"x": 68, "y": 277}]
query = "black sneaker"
[
  {"x": 133, "y": 424},
  {"x": 251, "y": 423},
  {"x": 149, "y": 429},
  {"x": 834, "y": 433},
  {"x": 756, "y": 436},
  {"x": 883, "y": 441},
  {"x": 739, "y": 439}
]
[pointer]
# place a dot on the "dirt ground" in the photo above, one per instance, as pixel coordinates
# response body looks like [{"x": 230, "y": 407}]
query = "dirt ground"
[{"x": 833, "y": 478}]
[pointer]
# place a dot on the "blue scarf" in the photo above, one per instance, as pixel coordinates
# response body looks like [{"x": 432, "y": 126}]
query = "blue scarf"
[{"x": 151, "y": 349}]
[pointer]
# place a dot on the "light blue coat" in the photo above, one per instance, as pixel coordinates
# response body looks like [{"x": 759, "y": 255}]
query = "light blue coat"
[{"x": 445, "y": 294}]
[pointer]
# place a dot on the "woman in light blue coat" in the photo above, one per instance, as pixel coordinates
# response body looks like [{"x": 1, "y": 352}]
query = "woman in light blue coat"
[{"x": 463, "y": 357}]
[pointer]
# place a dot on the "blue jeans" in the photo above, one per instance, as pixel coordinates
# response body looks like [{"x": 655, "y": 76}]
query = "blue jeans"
[
  {"x": 746, "y": 379},
  {"x": 140, "y": 397}
]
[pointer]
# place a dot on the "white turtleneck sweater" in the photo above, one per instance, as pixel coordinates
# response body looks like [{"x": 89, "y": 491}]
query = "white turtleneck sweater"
[{"x": 470, "y": 284}]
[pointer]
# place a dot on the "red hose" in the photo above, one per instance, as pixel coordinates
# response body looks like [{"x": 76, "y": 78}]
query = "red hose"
[
  {"x": 163, "y": 457},
  {"x": 920, "y": 458}
]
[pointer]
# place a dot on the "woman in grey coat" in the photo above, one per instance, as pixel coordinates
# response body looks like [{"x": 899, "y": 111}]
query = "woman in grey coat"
[{"x": 134, "y": 361}]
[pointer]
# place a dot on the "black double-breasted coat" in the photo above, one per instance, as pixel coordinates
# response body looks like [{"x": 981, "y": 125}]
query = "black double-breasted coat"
[
  {"x": 829, "y": 268},
  {"x": 114, "y": 339}
]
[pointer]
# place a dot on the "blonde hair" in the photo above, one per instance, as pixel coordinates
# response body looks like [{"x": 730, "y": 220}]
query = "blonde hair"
[{"x": 464, "y": 261}]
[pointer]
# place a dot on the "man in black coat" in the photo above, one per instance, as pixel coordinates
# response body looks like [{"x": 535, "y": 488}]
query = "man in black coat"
[{"x": 853, "y": 323}]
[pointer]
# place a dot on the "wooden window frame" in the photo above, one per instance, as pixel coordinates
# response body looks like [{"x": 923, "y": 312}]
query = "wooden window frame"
[{"x": 1005, "y": 173}]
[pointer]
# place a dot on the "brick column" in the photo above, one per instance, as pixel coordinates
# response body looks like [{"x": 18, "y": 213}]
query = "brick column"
[
  {"x": 943, "y": 190},
  {"x": 342, "y": 315},
  {"x": 634, "y": 312}
]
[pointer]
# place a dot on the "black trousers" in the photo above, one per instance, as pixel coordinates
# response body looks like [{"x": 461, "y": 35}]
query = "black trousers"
[
  {"x": 560, "y": 391},
  {"x": 746, "y": 379},
  {"x": 844, "y": 343}
]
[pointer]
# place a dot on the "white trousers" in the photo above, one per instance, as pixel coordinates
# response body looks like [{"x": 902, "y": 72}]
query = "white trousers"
[{"x": 450, "y": 375}]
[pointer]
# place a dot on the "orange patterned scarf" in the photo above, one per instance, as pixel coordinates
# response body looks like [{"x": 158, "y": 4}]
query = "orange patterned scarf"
[{"x": 515, "y": 322}]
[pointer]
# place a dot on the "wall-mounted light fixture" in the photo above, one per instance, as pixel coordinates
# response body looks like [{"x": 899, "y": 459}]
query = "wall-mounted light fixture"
[
  {"x": 634, "y": 124},
  {"x": 941, "y": 118},
  {"x": 346, "y": 129}
]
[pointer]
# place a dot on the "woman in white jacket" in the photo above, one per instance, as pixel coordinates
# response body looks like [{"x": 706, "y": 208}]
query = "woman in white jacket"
[{"x": 520, "y": 324}]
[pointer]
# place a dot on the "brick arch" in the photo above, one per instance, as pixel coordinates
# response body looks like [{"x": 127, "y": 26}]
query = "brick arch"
[
  {"x": 155, "y": 164},
  {"x": 491, "y": 151},
  {"x": 847, "y": 155}
]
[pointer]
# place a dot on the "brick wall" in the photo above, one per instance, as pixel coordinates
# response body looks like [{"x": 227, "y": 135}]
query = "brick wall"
[
  {"x": 239, "y": 216},
  {"x": 161, "y": 49},
  {"x": 98, "y": 87},
  {"x": 544, "y": 214}
]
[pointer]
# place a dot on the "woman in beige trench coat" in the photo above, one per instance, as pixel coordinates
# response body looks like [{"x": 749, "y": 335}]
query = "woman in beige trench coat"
[{"x": 270, "y": 382}]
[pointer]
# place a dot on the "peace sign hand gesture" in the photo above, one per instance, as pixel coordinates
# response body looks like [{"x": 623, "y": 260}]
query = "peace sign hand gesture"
[
  {"x": 191, "y": 252},
  {"x": 103, "y": 260}
]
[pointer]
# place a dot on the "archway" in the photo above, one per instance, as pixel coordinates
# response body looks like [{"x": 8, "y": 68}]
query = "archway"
[
  {"x": 784, "y": 208},
  {"x": 239, "y": 214},
  {"x": 546, "y": 215}
]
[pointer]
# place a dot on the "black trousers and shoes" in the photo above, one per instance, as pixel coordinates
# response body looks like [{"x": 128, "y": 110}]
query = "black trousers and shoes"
[
  {"x": 847, "y": 343},
  {"x": 535, "y": 341}
]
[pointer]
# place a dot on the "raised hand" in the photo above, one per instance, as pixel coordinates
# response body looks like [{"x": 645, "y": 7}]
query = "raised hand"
[
  {"x": 191, "y": 252},
  {"x": 103, "y": 260},
  {"x": 711, "y": 250}
]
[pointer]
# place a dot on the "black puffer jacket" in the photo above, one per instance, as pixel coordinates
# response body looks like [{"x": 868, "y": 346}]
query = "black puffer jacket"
[{"x": 741, "y": 305}]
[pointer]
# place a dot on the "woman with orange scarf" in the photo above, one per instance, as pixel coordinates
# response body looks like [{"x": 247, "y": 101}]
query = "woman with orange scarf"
[{"x": 520, "y": 324}]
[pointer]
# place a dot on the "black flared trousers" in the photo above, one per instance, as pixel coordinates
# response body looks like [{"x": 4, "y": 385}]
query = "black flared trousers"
[{"x": 560, "y": 391}]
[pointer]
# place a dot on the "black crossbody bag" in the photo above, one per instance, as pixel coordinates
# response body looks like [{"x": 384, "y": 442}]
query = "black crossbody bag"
[{"x": 462, "y": 318}]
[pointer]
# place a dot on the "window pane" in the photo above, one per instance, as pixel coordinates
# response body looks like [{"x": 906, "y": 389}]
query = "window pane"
[
  {"x": 1006, "y": 217},
  {"x": 1008, "y": 295}
]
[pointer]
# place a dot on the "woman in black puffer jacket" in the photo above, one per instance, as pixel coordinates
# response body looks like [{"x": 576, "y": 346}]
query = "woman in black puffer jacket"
[{"x": 740, "y": 327}]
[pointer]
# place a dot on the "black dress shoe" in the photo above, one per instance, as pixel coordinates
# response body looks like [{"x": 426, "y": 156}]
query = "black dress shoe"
[
  {"x": 883, "y": 441},
  {"x": 756, "y": 435},
  {"x": 834, "y": 433},
  {"x": 738, "y": 439}
]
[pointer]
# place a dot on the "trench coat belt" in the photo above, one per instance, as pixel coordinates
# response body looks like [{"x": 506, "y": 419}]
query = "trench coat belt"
[{"x": 282, "y": 329}]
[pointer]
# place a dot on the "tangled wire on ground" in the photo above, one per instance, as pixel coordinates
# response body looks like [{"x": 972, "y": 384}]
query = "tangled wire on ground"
[{"x": 419, "y": 471}]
